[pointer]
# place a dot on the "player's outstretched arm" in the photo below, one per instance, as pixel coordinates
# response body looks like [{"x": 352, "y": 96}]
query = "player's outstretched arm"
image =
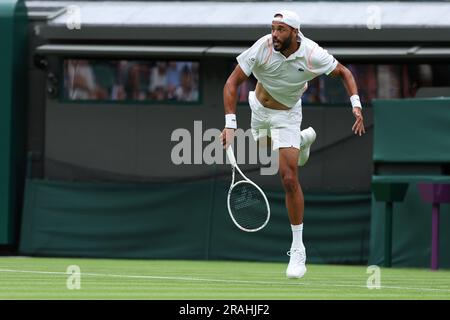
[
  {"x": 236, "y": 78},
  {"x": 352, "y": 90}
]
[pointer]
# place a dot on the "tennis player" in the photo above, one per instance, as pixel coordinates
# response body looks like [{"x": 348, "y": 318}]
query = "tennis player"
[{"x": 283, "y": 62}]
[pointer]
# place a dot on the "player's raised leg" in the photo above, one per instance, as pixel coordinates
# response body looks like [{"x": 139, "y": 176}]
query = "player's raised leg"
[
  {"x": 308, "y": 136},
  {"x": 295, "y": 206}
]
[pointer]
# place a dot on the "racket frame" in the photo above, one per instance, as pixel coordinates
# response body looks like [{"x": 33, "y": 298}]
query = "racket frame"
[{"x": 234, "y": 166}]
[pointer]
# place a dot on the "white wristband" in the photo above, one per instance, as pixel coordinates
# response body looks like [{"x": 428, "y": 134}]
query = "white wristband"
[
  {"x": 230, "y": 121},
  {"x": 356, "y": 103}
]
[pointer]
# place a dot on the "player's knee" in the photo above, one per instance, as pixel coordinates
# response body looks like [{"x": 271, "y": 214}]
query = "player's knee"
[{"x": 290, "y": 182}]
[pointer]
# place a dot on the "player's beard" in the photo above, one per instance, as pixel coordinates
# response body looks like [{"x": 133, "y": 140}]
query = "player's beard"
[{"x": 284, "y": 44}]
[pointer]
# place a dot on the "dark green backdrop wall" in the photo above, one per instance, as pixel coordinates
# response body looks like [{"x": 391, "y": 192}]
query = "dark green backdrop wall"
[{"x": 182, "y": 221}]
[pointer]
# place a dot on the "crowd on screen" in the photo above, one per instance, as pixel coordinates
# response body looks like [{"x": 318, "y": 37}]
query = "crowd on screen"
[
  {"x": 179, "y": 81},
  {"x": 131, "y": 80}
]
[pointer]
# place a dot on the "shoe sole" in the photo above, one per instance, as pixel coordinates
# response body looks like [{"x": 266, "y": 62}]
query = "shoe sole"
[{"x": 296, "y": 277}]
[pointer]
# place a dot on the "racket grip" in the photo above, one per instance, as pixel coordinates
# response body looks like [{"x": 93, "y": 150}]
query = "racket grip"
[{"x": 231, "y": 157}]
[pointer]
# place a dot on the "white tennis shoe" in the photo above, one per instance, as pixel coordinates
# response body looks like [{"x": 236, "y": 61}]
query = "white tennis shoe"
[
  {"x": 308, "y": 137},
  {"x": 296, "y": 267}
]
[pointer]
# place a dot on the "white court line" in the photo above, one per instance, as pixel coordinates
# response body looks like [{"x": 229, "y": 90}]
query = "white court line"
[{"x": 230, "y": 281}]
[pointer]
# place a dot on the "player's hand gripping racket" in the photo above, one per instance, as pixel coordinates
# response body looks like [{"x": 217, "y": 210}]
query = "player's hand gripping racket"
[{"x": 247, "y": 203}]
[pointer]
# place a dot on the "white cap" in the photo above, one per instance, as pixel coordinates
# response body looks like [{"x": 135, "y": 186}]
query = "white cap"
[{"x": 288, "y": 17}]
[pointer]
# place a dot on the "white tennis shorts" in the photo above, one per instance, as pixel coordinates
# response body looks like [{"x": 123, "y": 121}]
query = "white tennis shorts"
[{"x": 282, "y": 126}]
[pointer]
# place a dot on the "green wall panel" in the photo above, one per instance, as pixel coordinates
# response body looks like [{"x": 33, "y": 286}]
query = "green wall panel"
[
  {"x": 412, "y": 130},
  {"x": 13, "y": 26}
]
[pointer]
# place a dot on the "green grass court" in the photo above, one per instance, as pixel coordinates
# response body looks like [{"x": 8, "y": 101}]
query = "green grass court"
[{"x": 46, "y": 278}]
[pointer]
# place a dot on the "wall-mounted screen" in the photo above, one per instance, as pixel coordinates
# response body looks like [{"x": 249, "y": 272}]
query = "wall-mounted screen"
[{"x": 131, "y": 80}]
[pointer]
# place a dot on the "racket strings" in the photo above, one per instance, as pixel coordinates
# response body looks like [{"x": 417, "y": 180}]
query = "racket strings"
[{"x": 248, "y": 206}]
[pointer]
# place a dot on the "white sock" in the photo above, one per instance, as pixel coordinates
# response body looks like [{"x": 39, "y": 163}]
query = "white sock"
[{"x": 297, "y": 236}]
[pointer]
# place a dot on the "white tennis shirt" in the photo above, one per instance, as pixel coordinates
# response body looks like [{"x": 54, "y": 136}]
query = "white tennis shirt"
[{"x": 285, "y": 79}]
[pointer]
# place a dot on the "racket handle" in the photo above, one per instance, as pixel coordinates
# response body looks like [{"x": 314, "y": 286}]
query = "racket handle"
[{"x": 231, "y": 157}]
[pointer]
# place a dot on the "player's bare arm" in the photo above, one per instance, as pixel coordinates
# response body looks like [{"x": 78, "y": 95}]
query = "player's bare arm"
[
  {"x": 352, "y": 90},
  {"x": 236, "y": 78}
]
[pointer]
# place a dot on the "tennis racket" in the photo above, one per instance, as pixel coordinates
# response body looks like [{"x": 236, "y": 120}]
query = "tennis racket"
[{"x": 247, "y": 204}]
